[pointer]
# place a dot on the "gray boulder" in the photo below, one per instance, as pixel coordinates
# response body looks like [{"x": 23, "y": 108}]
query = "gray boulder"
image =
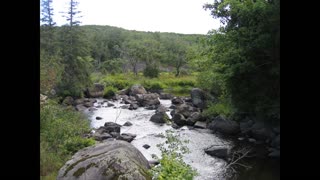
[
  {"x": 148, "y": 99},
  {"x": 68, "y": 101},
  {"x": 198, "y": 97},
  {"x": 128, "y": 123},
  {"x": 166, "y": 96},
  {"x": 107, "y": 160},
  {"x": 100, "y": 137},
  {"x": 224, "y": 125},
  {"x": 112, "y": 127},
  {"x": 179, "y": 119},
  {"x": 161, "y": 109},
  {"x": 218, "y": 151},
  {"x": 96, "y": 91},
  {"x": 137, "y": 89},
  {"x": 201, "y": 125},
  {"x": 160, "y": 117},
  {"x": 177, "y": 100},
  {"x": 185, "y": 110}
]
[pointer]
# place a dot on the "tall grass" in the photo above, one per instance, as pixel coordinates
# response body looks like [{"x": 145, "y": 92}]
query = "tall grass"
[
  {"x": 61, "y": 131},
  {"x": 167, "y": 82}
]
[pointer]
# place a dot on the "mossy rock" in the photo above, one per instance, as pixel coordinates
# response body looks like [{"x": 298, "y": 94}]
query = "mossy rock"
[{"x": 108, "y": 160}]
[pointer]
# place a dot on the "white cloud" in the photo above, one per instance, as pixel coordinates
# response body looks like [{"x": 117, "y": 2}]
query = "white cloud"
[{"x": 181, "y": 16}]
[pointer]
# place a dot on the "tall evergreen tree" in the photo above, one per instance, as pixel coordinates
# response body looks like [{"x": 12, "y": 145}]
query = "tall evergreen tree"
[{"x": 75, "y": 52}]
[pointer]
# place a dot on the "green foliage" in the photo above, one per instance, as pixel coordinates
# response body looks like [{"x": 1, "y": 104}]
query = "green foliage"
[
  {"x": 109, "y": 92},
  {"x": 220, "y": 108},
  {"x": 152, "y": 85},
  {"x": 171, "y": 165},
  {"x": 61, "y": 131},
  {"x": 242, "y": 59},
  {"x": 74, "y": 144},
  {"x": 151, "y": 72}
]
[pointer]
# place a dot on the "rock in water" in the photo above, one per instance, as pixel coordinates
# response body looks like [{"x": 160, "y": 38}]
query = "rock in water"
[{"x": 108, "y": 160}]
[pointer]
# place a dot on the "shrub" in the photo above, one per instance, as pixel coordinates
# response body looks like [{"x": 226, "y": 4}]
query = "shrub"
[
  {"x": 109, "y": 92},
  {"x": 220, "y": 108},
  {"x": 152, "y": 85},
  {"x": 151, "y": 71},
  {"x": 171, "y": 166},
  {"x": 61, "y": 131}
]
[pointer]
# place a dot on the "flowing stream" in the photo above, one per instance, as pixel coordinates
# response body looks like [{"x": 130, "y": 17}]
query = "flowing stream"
[{"x": 208, "y": 167}]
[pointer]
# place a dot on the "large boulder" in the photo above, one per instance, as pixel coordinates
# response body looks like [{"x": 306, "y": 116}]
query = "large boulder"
[
  {"x": 162, "y": 109},
  {"x": 96, "y": 91},
  {"x": 111, "y": 127},
  {"x": 137, "y": 89},
  {"x": 166, "y": 96},
  {"x": 198, "y": 97},
  {"x": 145, "y": 100},
  {"x": 179, "y": 119},
  {"x": 224, "y": 125},
  {"x": 177, "y": 100},
  {"x": 159, "y": 117},
  {"x": 218, "y": 151},
  {"x": 185, "y": 109},
  {"x": 68, "y": 101},
  {"x": 106, "y": 161}
]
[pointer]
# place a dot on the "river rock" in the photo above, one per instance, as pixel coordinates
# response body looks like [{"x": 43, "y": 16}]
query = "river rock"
[
  {"x": 179, "y": 119},
  {"x": 148, "y": 99},
  {"x": 107, "y": 160},
  {"x": 161, "y": 109},
  {"x": 245, "y": 127},
  {"x": 137, "y": 89},
  {"x": 68, "y": 101},
  {"x": 98, "y": 118},
  {"x": 160, "y": 117},
  {"x": 111, "y": 127},
  {"x": 166, "y": 96},
  {"x": 177, "y": 100},
  {"x": 88, "y": 104},
  {"x": 101, "y": 137},
  {"x": 198, "y": 97},
  {"x": 124, "y": 92},
  {"x": 110, "y": 104},
  {"x": 185, "y": 110},
  {"x": 146, "y": 146},
  {"x": 201, "y": 125},
  {"x": 80, "y": 107},
  {"x": 128, "y": 123},
  {"x": 127, "y": 137},
  {"x": 133, "y": 106},
  {"x": 218, "y": 151},
  {"x": 96, "y": 91},
  {"x": 224, "y": 125},
  {"x": 92, "y": 109}
]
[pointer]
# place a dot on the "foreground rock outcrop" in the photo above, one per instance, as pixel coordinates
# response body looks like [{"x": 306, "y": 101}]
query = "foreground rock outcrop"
[{"x": 106, "y": 161}]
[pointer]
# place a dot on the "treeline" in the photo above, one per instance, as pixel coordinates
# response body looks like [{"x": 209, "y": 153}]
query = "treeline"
[{"x": 71, "y": 54}]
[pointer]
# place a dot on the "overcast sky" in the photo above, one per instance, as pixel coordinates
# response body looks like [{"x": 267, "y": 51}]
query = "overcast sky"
[{"x": 180, "y": 16}]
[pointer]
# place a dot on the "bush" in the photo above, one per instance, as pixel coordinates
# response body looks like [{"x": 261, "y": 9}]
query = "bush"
[
  {"x": 151, "y": 71},
  {"x": 171, "y": 166},
  {"x": 109, "y": 92},
  {"x": 61, "y": 131},
  {"x": 220, "y": 108},
  {"x": 152, "y": 85}
]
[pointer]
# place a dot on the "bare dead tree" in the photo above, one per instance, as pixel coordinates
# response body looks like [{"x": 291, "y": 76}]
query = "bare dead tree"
[{"x": 235, "y": 159}]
